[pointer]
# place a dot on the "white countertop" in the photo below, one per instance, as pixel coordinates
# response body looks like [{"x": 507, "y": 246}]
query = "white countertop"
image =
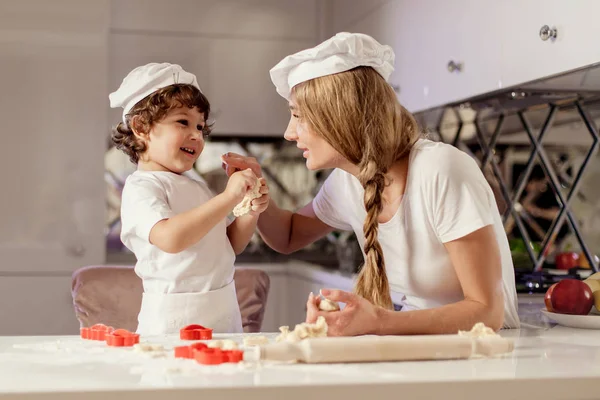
[{"x": 555, "y": 363}]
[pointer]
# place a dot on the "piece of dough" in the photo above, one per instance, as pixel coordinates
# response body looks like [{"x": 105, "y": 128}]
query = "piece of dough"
[
  {"x": 479, "y": 330},
  {"x": 225, "y": 344},
  {"x": 303, "y": 331},
  {"x": 255, "y": 340},
  {"x": 152, "y": 350},
  {"x": 328, "y": 305},
  {"x": 245, "y": 206}
]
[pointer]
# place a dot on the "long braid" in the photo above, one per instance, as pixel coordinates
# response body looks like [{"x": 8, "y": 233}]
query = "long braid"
[
  {"x": 372, "y": 282},
  {"x": 358, "y": 114}
]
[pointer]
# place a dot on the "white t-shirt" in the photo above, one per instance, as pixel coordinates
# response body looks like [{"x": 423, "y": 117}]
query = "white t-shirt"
[
  {"x": 151, "y": 196},
  {"x": 446, "y": 197}
]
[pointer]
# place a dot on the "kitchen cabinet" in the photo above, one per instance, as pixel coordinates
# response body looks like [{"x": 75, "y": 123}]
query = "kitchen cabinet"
[
  {"x": 229, "y": 45},
  {"x": 240, "y": 88},
  {"x": 291, "y": 283},
  {"x": 299, "y": 289},
  {"x": 277, "y": 300},
  {"x": 451, "y": 51},
  {"x": 54, "y": 85},
  {"x": 233, "y": 73},
  {"x": 23, "y": 299},
  {"x": 445, "y": 51},
  {"x": 526, "y": 56},
  {"x": 52, "y": 140},
  {"x": 438, "y": 45}
]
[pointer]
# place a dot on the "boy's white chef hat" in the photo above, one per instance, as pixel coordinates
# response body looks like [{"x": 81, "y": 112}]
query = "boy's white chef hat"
[
  {"x": 147, "y": 79},
  {"x": 340, "y": 53}
]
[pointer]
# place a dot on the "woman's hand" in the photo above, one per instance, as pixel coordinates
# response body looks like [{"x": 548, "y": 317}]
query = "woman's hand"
[
  {"x": 359, "y": 317},
  {"x": 233, "y": 162},
  {"x": 261, "y": 203}
]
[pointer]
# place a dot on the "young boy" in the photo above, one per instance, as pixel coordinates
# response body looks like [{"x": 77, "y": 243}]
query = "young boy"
[{"x": 177, "y": 229}]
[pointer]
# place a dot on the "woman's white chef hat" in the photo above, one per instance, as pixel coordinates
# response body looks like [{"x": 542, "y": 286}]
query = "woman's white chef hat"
[
  {"x": 340, "y": 53},
  {"x": 147, "y": 79}
]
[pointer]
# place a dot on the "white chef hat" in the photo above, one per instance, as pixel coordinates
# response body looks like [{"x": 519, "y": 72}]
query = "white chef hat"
[
  {"x": 340, "y": 53},
  {"x": 147, "y": 79}
]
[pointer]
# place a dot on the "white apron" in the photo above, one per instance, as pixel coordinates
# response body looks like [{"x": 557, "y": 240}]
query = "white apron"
[{"x": 167, "y": 313}]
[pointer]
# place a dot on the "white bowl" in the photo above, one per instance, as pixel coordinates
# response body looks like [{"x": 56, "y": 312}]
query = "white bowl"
[{"x": 590, "y": 321}]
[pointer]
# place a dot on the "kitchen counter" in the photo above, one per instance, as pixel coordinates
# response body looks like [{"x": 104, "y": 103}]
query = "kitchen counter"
[{"x": 550, "y": 363}]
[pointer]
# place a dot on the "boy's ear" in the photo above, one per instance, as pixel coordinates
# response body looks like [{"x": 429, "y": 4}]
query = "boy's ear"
[{"x": 137, "y": 128}]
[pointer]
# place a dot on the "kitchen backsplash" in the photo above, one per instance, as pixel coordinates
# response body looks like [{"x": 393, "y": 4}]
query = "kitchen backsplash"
[
  {"x": 291, "y": 186},
  {"x": 506, "y": 156},
  {"x": 539, "y": 153}
]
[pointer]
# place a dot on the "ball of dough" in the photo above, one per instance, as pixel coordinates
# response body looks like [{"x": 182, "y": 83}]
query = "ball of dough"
[
  {"x": 328, "y": 305},
  {"x": 245, "y": 206}
]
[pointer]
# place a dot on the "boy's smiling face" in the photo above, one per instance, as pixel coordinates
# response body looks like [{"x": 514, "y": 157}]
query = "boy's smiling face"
[{"x": 175, "y": 143}]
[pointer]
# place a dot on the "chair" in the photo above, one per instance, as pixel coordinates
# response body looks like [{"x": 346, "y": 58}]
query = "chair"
[{"x": 112, "y": 295}]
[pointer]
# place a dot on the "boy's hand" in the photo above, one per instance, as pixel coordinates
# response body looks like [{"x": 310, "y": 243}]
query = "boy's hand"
[{"x": 239, "y": 184}]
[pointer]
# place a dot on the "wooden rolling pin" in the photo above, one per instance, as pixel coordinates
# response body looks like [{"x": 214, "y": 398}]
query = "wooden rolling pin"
[{"x": 381, "y": 349}]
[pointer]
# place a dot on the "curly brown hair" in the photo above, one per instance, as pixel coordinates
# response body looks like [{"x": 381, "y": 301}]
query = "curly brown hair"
[{"x": 153, "y": 109}]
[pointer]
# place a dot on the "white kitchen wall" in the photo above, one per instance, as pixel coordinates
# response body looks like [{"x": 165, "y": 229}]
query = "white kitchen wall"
[
  {"x": 229, "y": 44},
  {"x": 350, "y": 15},
  {"x": 59, "y": 60},
  {"x": 53, "y": 64}
]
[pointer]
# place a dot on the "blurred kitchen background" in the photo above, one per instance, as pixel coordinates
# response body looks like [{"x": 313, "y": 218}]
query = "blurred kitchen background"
[{"x": 514, "y": 83}]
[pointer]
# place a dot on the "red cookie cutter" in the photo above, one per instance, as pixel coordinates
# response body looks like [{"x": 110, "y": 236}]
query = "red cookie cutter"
[
  {"x": 188, "y": 351},
  {"x": 122, "y": 338},
  {"x": 195, "y": 332},
  {"x": 211, "y": 356},
  {"x": 216, "y": 356},
  {"x": 234, "y": 356},
  {"x": 208, "y": 355},
  {"x": 96, "y": 332}
]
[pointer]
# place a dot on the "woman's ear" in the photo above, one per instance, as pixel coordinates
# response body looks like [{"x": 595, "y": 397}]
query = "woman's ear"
[{"x": 137, "y": 127}]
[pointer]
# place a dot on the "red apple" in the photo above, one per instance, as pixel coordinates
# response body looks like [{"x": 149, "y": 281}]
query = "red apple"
[
  {"x": 548, "y": 298},
  {"x": 567, "y": 260},
  {"x": 571, "y": 296}
]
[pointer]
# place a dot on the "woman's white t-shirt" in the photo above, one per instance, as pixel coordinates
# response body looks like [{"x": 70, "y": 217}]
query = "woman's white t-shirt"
[
  {"x": 446, "y": 197},
  {"x": 151, "y": 196}
]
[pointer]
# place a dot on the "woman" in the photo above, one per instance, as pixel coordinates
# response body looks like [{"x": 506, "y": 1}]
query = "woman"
[{"x": 422, "y": 211}]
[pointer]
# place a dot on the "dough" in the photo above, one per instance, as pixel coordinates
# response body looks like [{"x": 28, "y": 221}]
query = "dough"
[
  {"x": 303, "y": 331},
  {"x": 245, "y": 206},
  {"x": 479, "y": 330},
  {"x": 225, "y": 344},
  {"x": 147, "y": 347},
  {"x": 328, "y": 305},
  {"x": 151, "y": 350},
  {"x": 255, "y": 340}
]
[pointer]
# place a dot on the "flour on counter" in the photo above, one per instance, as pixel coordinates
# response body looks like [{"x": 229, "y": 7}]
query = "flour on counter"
[
  {"x": 152, "y": 350},
  {"x": 479, "y": 330},
  {"x": 148, "y": 347},
  {"x": 255, "y": 340},
  {"x": 58, "y": 346},
  {"x": 225, "y": 344},
  {"x": 303, "y": 331}
]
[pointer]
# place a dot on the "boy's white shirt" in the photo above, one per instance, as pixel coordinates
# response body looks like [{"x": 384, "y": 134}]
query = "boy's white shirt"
[{"x": 151, "y": 196}]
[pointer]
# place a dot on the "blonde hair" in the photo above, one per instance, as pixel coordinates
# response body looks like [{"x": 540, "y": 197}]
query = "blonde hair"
[{"x": 358, "y": 114}]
